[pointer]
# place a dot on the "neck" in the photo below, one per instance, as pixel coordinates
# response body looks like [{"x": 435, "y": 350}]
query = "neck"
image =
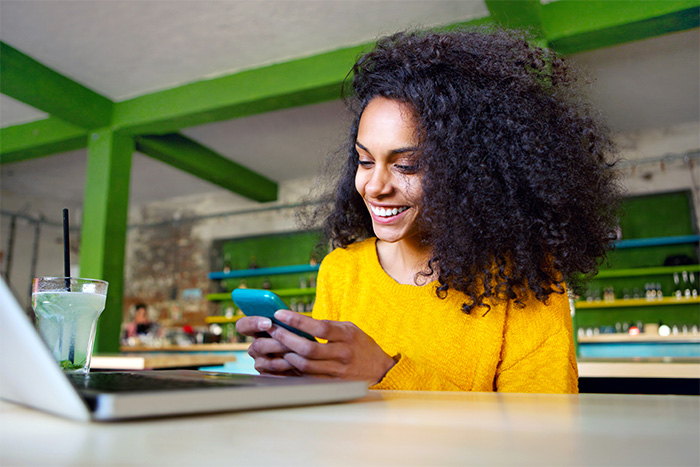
[{"x": 404, "y": 259}]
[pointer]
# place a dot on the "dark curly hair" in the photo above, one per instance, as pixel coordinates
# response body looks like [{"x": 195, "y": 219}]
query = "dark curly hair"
[{"x": 518, "y": 193}]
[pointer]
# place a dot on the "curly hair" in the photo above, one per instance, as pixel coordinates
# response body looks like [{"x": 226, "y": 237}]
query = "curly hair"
[{"x": 518, "y": 194}]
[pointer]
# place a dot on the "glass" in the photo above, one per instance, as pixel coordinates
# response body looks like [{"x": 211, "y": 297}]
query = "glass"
[{"x": 67, "y": 309}]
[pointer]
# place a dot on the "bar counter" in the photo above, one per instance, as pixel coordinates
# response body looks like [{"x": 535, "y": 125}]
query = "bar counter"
[{"x": 384, "y": 428}]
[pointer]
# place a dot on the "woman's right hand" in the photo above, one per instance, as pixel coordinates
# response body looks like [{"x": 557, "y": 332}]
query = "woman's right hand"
[{"x": 267, "y": 352}]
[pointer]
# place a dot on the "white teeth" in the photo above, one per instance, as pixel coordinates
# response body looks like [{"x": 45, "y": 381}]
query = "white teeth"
[{"x": 381, "y": 212}]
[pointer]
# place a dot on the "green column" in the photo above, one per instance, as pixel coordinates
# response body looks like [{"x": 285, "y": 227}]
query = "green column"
[{"x": 103, "y": 233}]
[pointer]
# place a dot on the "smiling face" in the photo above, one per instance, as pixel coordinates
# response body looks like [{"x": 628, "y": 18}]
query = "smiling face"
[{"x": 387, "y": 176}]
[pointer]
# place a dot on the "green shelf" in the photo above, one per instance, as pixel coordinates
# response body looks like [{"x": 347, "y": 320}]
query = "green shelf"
[
  {"x": 638, "y": 272},
  {"x": 636, "y": 302}
]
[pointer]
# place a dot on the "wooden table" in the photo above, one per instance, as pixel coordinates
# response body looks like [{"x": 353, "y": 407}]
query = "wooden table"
[
  {"x": 656, "y": 367},
  {"x": 384, "y": 428},
  {"x": 157, "y": 360}
]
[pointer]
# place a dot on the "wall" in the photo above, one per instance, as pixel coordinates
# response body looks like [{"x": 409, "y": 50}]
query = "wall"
[
  {"x": 658, "y": 176},
  {"x": 169, "y": 248}
]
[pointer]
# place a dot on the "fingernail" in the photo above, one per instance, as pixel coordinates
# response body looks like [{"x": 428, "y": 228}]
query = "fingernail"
[
  {"x": 281, "y": 314},
  {"x": 264, "y": 324}
]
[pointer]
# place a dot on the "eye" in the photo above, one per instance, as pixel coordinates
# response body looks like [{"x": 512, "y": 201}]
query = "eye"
[
  {"x": 407, "y": 169},
  {"x": 365, "y": 163}
]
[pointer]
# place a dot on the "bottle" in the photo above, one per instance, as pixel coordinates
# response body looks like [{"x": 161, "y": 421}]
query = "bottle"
[
  {"x": 677, "y": 284},
  {"x": 693, "y": 287},
  {"x": 659, "y": 292},
  {"x": 686, "y": 284}
]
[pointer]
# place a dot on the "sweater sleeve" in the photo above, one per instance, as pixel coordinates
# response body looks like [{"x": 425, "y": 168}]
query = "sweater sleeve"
[{"x": 538, "y": 352}]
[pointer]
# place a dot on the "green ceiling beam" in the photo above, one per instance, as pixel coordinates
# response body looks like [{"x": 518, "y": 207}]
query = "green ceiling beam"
[
  {"x": 40, "y": 138},
  {"x": 298, "y": 82},
  {"x": 28, "y": 81},
  {"x": 517, "y": 14},
  {"x": 573, "y": 26},
  {"x": 202, "y": 162}
]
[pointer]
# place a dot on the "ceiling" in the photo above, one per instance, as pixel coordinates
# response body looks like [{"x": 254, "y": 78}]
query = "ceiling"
[{"x": 122, "y": 49}]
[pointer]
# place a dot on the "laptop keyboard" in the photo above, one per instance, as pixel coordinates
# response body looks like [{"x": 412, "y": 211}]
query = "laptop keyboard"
[{"x": 135, "y": 382}]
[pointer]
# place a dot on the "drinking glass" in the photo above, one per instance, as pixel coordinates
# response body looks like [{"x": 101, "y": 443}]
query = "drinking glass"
[{"x": 67, "y": 309}]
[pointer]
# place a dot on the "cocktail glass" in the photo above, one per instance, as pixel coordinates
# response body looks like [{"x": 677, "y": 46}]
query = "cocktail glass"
[{"x": 67, "y": 309}]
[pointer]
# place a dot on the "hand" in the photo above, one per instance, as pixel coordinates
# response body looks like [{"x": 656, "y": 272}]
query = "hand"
[
  {"x": 267, "y": 352},
  {"x": 349, "y": 352}
]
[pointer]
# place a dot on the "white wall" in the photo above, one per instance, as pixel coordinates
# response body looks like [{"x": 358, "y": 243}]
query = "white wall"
[{"x": 640, "y": 177}]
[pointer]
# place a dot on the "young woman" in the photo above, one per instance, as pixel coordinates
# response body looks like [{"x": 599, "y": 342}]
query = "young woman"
[{"x": 475, "y": 187}]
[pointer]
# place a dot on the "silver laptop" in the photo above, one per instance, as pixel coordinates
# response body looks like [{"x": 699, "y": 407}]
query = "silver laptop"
[{"x": 30, "y": 376}]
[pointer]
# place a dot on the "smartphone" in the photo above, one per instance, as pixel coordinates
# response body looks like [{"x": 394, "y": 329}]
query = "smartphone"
[{"x": 258, "y": 302}]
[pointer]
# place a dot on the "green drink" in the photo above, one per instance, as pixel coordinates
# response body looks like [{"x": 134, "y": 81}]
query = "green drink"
[{"x": 66, "y": 317}]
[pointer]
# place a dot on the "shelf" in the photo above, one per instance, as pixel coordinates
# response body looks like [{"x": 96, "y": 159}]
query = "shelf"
[
  {"x": 646, "y": 338},
  {"x": 299, "y": 268},
  {"x": 657, "y": 241},
  {"x": 580, "y": 304},
  {"x": 636, "y": 272},
  {"x": 233, "y": 319},
  {"x": 226, "y": 296}
]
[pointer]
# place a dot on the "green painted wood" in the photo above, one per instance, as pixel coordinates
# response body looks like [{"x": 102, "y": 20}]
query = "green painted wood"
[
  {"x": 103, "y": 230},
  {"x": 517, "y": 14},
  {"x": 192, "y": 157},
  {"x": 640, "y": 272},
  {"x": 298, "y": 82},
  {"x": 40, "y": 138},
  {"x": 574, "y": 26},
  {"x": 28, "y": 81}
]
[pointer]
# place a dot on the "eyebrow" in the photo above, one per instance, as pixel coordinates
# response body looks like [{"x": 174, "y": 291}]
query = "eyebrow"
[{"x": 392, "y": 152}]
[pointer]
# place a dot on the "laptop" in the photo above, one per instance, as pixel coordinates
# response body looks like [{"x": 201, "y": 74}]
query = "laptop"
[{"x": 30, "y": 376}]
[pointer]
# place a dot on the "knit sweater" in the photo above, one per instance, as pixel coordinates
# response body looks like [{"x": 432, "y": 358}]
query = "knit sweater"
[{"x": 438, "y": 347}]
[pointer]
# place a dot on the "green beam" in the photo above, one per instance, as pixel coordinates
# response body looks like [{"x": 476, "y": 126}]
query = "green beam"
[
  {"x": 298, "y": 82},
  {"x": 103, "y": 230},
  {"x": 40, "y": 138},
  {"x": 576, "y": 26},
  {"x": 192, "y": 157},
  {"x": 517, "y": 14},
  {"x": 28, "y": 81}
]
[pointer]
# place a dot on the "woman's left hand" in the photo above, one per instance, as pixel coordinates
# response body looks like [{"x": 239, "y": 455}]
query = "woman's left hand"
[{"x": 349, "y": 353}]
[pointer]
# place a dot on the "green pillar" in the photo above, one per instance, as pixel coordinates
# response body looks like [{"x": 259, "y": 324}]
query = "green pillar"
[{"x": 103, "y": 233}]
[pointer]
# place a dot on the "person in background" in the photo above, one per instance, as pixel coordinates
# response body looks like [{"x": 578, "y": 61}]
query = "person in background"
[
  {"x": 475, "y": 188},
  {"x": 141, "y": 325}
]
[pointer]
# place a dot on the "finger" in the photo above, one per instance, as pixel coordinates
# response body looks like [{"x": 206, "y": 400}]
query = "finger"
[
  {"x": 266, "y": 346},
  {"x": 274, "y": 366},
  {"x": 317, "y": 368},
  {"x": 295, "y": 343},
  {"x": 312, "y": 350},
  {"x": 325, "y": 329},
  {"x": 253, "y": 325}
]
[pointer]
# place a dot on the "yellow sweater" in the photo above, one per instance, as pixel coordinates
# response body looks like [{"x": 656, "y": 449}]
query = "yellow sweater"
[{"x": 440, "y": 348}]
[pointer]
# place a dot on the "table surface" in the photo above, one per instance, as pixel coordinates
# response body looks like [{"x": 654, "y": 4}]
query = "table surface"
[{"x": 384, "y": 428}]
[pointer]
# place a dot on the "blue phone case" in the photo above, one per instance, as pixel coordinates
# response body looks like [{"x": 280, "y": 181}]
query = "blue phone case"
[{"x": 258, "y": 302}]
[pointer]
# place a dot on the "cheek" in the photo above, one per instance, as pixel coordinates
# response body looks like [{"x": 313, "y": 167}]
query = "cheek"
[{"x": 360, "y": 184}]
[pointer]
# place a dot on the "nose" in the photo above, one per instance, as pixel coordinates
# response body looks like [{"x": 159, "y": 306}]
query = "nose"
[{"x": 379, "y": 183}]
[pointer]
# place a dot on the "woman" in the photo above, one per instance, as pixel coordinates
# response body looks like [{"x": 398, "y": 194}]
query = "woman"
[{"x": 475, "y": 187}]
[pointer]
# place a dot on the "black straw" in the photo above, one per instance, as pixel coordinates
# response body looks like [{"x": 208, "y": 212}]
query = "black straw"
[
  {"x": 66, "y": 249},
  {"x": 66, "y": 270}
]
